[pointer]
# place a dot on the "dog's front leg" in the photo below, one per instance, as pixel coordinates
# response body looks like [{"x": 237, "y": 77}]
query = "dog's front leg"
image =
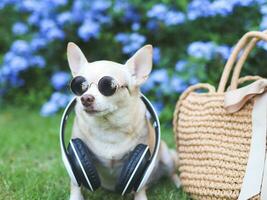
[
  {"x": 141, "y": 195},
  {"x": 170, "y": 159},
  {"x": 75, "y": 192}
]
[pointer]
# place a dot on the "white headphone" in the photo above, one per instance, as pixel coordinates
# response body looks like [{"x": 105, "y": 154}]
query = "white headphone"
[{"x": 136, "y": 170}]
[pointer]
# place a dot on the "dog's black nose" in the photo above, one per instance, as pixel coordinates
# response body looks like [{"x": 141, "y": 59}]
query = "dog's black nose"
[{"x": 87, "y": 99}]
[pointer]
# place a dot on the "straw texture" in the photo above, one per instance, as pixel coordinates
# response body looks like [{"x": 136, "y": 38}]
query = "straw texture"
[{"x": 213, "y": 145}]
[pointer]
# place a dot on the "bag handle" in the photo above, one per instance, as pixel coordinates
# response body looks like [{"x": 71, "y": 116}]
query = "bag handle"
[
  {"x": 245, "y": 79},
  {"x": 241, "y": 61},
  {"x": 239, "y": 46}
]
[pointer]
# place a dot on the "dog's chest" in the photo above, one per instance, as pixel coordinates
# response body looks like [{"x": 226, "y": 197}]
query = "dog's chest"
[
  {"x": 109, "y": 171},
  {"x": 111, "y": 150},
  {"x": 111, "y": 144}
]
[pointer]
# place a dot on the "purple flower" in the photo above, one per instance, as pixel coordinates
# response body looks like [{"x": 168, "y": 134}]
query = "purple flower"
[
  {"x": 221, "y": 7},
  {"x": 55, "y": 33},
  {"x": 34, "y": 19},
  {"x": 60, "y": 79},
  {"x": 100, "y": 5},
  {"x": 177, "y": 84},
  {"x": 201, "y": 49},
  {"x": 38, "y": 61},
  {"x": 263, "y": 10},
  {"x": 224, "y": 51},
  {"x": 164, "y": 89},
  {"x": 46, "y": 25},
  {"x": 77, "y": 10},
  {"x": 159, "y": 106},
  {"x": 244, "y": 2},
  {"x": 180, "y": 65},
  {"x": 64, "y": 17},
  {"x": 60, "y": 99},
  {"x": 88, "y": 30},
  {"x": 263, "y": 24},
  {"x": 15, "y": 81},
  {"x": 262, "y": 44},
  {"x": 136, "y": 41},
  {"x": 131, "y": 15},
  {"x": 29, "y": 5},
  {"x": 4, "y": 3},
  {"x": 37, "y": 43},
  {"x": 205, "y": 8},
  {"x": 198, "y": 8},
  {"x": 9, "y": 56},
  {"x": 161, "y": 12},
  {"x": 131, "y": 42},
  {"x": 20, "y": 47},
  {"x": 18, "y": 64},
  {"x": 57, "y": 100},
  {"x": 193, "y": 80},
  {"x": 158, "y": 11},
  {"x": 120, "y": 5},
  {"x": 50, "y": 30},
  {"x": 19, "y": 28},
  {"x": 156, "y": 55},
  {"x": 48, "y": 109},
  {"x": 260, "y": 2},
  {"x": 135, "y": 26},
  {"x": 135, "y": 37},
  {"x": 207, "y": 50},
  {"x": 103, "y": 19},
  {"x": 174, "y": 18},
  {"x": 159, "y": 76},
  {"x": 152, "y": 25},
  {"x": 59, "y": 2},
  {"x": 5, "y": 71},
  {"x": 147, "y": 86},
  {"x": 122, "y": 37}
]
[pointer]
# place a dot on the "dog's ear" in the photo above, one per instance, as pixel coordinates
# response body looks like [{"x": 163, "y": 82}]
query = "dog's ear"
[
  {"x": 76, "y": 58},
  {"x": 140, "y": 64}
]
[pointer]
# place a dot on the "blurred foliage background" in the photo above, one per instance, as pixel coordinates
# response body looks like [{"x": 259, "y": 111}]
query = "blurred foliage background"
[{"x": 192, "y": 41}]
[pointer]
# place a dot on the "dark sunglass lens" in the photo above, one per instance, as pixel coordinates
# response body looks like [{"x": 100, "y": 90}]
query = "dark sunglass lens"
[
  {"x": 107, "y": 86},
  {"x": 79, "y": 85}
]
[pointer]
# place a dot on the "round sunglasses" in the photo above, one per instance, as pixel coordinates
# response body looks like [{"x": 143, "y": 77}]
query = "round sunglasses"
[{"x": 107, "y": 85}]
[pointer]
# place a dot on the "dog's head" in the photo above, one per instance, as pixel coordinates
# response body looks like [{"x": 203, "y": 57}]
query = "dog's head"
[{"x": 103, "y": 87}]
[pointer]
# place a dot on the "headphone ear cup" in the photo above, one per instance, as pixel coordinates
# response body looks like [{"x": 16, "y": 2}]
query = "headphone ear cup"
[
  {"x": 81, "y": 159},
  {"x": 133, "y": 169}
]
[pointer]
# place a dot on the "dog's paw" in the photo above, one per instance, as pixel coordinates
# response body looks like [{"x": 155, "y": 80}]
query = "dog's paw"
[
  {"x": 75, "y": 192},
  {"x": 76, "y": 197},
  {"x": 176, "y": 180},
  {"x": 141, "y": 195}
]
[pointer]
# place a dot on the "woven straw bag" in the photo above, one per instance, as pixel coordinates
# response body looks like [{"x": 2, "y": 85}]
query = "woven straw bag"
[{"x": 216, "y": 145}]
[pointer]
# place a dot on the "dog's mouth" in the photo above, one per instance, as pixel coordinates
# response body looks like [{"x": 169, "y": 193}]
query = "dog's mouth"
[{"x": 92, "y": 111}]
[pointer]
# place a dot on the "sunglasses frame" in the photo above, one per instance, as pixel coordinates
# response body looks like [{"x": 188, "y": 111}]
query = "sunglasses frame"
[{"x": 118, "y": 86}]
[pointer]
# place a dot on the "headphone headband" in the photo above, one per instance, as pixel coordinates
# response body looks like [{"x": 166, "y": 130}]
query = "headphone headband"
[{"x": 69, "y": 108}]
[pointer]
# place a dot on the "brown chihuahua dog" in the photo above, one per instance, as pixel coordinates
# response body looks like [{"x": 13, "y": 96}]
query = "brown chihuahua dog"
[{"x": 111, "y": 126}]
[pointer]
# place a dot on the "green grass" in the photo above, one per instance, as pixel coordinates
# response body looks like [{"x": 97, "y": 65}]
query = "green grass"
[{"x": 31, "y": 166}]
